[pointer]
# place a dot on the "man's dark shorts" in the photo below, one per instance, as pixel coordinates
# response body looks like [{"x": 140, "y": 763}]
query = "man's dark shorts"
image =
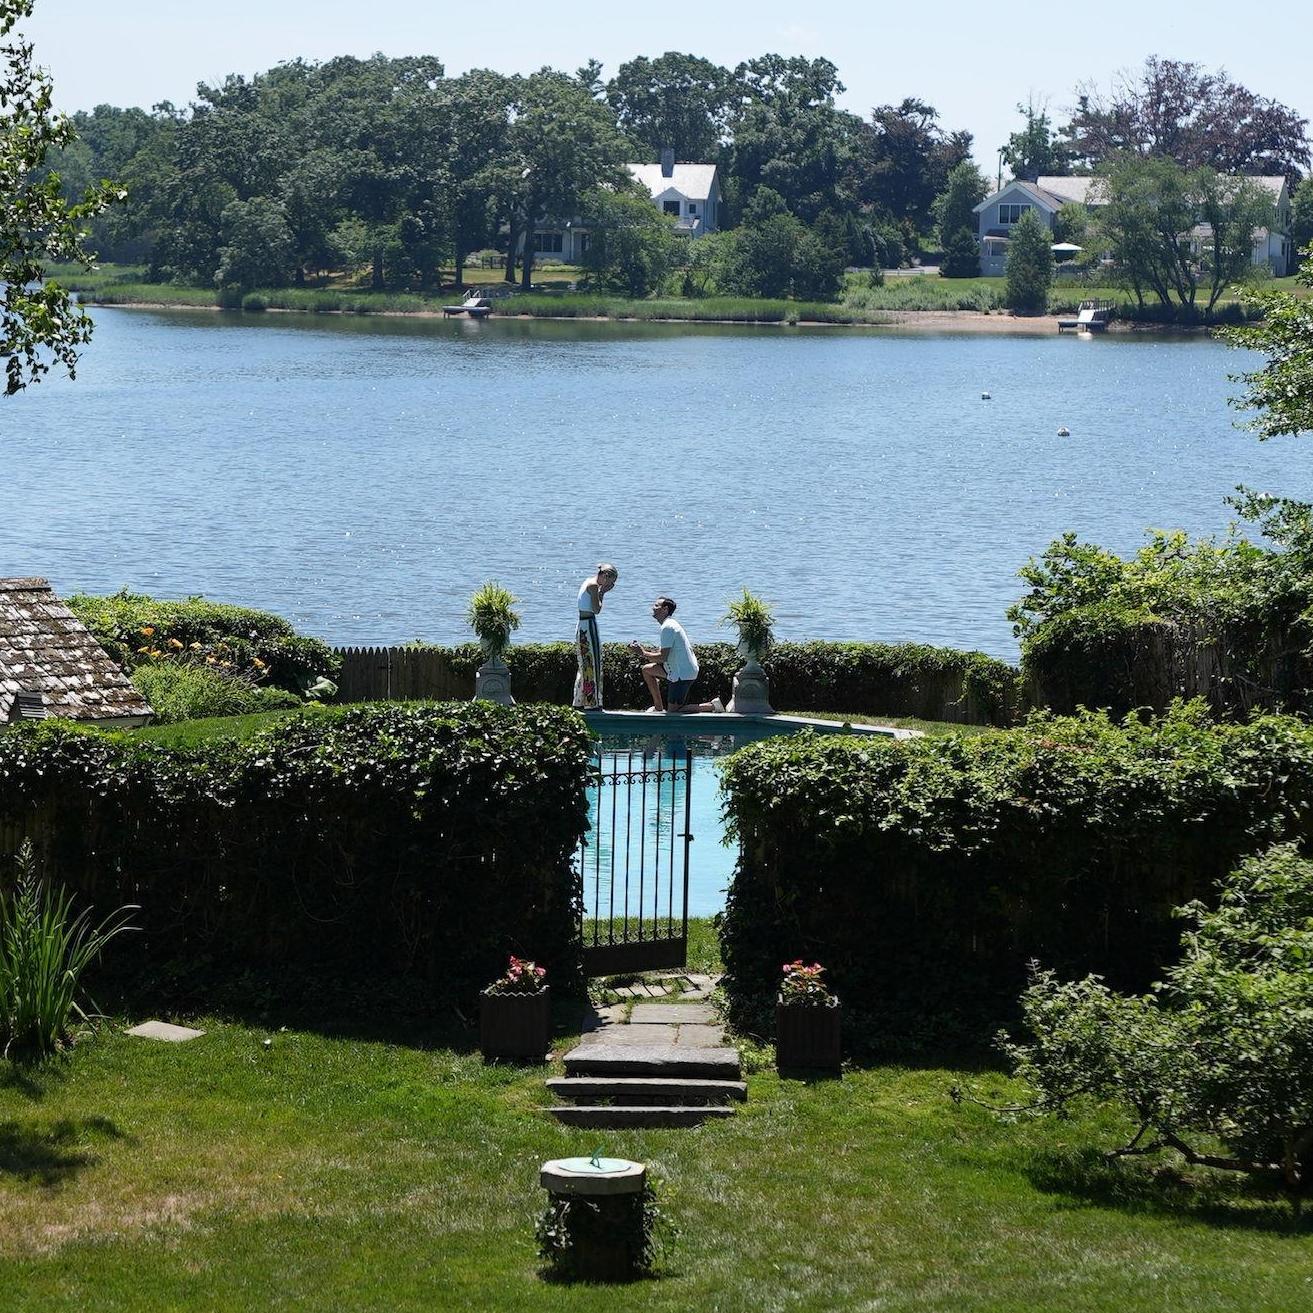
[{"x": 677, "y": 692}]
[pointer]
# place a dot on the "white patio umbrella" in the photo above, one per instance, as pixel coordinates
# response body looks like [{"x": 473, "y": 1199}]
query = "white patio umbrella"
[{"x": 1065, "y": 248}]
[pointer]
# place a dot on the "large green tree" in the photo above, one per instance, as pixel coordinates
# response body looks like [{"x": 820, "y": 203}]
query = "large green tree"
[
  {"x": 632, "y": 246},
  {"x": 1301, "y": 216},
  {"x": 38, "y": 320},
  {"x": 677, "y": 102},
  {"x": 562, "y": 144},
  {"x": 1034, "y": 149},
  {"x": 955, "y": 206}
]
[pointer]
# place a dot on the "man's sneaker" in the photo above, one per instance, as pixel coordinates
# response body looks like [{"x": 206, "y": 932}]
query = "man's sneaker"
[
  {"x": 653, "y": 711},
  {"x": 717, "y": 704}
]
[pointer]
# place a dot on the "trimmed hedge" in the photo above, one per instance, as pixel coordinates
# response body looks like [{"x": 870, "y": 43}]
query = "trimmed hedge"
[
  {"x": 881, "y": 679},
  {"x": 414, "y": 843},
  {"x": 925, "y": 875}
]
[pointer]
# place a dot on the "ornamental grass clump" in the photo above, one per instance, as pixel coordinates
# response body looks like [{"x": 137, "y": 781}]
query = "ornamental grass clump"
[
  {"x": 755, "y": 621},
  {"x": 44, "y": 951},
  {"x": 491, "y": 614}
]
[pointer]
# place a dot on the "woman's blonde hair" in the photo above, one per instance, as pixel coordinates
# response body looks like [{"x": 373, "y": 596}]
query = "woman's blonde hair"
[{"x": 608, "y": 569}]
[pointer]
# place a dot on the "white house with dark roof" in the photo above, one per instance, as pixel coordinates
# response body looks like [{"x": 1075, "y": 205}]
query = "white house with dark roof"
[
  {"x": 51, "y": 665},
  {"x": 689, "y": 193},
  {"x": 996, "y": 214}
]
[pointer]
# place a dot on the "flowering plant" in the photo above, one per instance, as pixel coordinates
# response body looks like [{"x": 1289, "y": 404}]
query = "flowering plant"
[
  {"x": 802, "y": 983},
  {"x": 522, "y": 977}
]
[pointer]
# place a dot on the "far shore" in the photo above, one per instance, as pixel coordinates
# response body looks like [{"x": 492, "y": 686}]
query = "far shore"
[{"x": 944, "y": 321}]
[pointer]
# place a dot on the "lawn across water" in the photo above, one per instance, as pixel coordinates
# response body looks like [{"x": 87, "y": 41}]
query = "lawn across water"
[{"x": 329, "y": 1167}]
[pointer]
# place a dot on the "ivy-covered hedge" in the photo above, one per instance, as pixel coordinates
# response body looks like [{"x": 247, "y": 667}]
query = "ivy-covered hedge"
[
  {"x": 419, "y": 843},
  {"x": 925, "y": 875},
  {"x": 888, "y": 679}
]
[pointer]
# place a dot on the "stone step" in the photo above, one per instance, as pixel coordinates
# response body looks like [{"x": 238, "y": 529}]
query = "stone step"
[
  {"x": 663, "y": 1060},
  {"x": 615, "y": 1117},
  {"x": 649, "y": 1090}
]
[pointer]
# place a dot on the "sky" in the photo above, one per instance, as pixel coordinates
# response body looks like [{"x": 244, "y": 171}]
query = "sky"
[{"x": 972, "y": 62}]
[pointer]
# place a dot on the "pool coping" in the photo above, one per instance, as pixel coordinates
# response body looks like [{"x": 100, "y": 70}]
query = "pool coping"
[{"x": 725, "y": 722}]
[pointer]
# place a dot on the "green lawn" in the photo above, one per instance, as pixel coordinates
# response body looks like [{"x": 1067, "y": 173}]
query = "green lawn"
[{"x": 342, "y": 1171}]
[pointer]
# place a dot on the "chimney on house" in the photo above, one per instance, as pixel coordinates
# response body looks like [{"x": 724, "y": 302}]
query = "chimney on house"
[{"x": 668, "y": 163}]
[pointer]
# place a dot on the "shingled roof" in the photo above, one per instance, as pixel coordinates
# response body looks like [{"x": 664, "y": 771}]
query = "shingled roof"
[{"x": 50, "y": 663}]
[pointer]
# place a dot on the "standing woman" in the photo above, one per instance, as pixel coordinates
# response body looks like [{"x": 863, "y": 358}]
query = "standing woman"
[{"x": 588, "y": 683}]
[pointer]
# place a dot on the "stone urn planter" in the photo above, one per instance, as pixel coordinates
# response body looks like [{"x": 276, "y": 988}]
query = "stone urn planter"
[
  {"x": 808, "y": 1037},
  {"x": 492, "y": 682},
  {"x": 751, "y": 695},
  {"x": 515, "y": 1015}
]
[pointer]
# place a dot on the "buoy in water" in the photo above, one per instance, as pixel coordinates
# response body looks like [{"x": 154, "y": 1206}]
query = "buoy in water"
[
  {"x": 984, "y": 396},
  {"x": 1064, "y": 432}
]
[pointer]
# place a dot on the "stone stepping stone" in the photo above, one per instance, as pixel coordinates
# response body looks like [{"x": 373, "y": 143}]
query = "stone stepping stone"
[
  {"x": 651, "y": 1059},
  {"x": 672, "y": 1014},
  {"x": 163, "y": 1030},
  {"x": 702, "y": 1037},
  {"x": 641, "y": 990},
  {"x": 615, "y": 1117},
  {"x": 647, "y": 1090}
]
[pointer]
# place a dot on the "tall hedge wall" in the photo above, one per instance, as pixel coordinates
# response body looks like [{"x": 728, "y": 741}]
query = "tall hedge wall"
[
  {"x": 926, "y": 875},
  {"x": 884, "y": 679},
  {"x": 423, "y": 843}
]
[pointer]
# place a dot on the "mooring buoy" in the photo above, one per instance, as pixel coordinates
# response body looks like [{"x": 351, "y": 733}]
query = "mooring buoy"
[
  {"x": 984, "y": 396},
  {"x": 1064, "y": 432}
]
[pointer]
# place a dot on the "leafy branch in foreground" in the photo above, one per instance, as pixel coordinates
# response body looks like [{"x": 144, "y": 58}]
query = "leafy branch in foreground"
[
  {"x": 36, "y": 224},
  {"x": 1282, "y": 390},
  {"x": 44, "y": 950},
  {"x": 1216, "y": 1062}
]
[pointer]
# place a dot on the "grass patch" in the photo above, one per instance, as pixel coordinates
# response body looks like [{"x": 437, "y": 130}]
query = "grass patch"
[
  {"x": 733, "y": 309},
  {"x": 350, "y": 1172}
]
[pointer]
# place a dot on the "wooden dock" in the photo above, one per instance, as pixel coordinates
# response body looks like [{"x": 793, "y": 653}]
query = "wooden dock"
[{"x": 1091, "y": 317}]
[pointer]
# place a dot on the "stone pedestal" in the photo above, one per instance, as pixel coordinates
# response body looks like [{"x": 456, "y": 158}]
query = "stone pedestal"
[
  {"x": 603, "y": 1219},
  {"x": 751, "y": 690},
  {"x": 492, "y": 682}
]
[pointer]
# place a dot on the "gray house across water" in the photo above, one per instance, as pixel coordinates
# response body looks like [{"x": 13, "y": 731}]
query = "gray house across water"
[{"x": 996, "y": 214}]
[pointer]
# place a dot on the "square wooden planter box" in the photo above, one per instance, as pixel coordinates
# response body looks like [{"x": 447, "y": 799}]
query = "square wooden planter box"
[
  {"x": 808, "y": 1038},
  {"x": 515, "y": 1026}
]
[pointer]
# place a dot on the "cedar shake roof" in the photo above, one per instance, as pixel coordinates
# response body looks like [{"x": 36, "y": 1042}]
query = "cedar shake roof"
[{"x": 46, "y": 650}]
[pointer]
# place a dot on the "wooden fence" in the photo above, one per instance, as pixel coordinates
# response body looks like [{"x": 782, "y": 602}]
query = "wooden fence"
[{"x": 375, "y": 674}]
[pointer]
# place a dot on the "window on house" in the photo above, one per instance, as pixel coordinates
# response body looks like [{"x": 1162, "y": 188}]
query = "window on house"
[
  {"x": 548, "y": 243},
  {"x": 671, "y": 207},
  {"x": 1011, "y": 213},
  {"x": 693, "y": 209}
]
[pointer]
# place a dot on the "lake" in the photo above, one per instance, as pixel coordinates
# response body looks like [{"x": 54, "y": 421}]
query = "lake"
[{"x": 362, "y": 476}]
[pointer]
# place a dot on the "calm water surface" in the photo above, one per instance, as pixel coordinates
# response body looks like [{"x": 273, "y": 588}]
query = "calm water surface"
[{"x": 363, "y": 476}]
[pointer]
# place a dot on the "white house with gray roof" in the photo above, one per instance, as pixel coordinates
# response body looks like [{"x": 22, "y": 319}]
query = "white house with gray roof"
[
  {"x": 996, "y": 214},
  {"x": 689, "y": 193}
]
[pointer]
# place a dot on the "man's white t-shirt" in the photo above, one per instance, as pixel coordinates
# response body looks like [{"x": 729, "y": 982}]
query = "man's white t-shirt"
[{"x": 682, "y": 663}]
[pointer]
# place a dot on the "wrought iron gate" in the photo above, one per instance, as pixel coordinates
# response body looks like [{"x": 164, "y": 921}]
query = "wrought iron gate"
[{"x": 634, "y": 862}]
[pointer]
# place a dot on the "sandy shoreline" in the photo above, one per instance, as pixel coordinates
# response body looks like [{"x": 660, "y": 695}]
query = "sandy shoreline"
[{"x": 942, "y": 321}]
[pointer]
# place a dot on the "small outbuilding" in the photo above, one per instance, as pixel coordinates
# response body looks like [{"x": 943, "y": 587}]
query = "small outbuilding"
[{"x": 51, "y": 665}]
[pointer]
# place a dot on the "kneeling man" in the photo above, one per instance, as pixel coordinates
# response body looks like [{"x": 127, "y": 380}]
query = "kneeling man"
[{"x": 673, "y": 660}]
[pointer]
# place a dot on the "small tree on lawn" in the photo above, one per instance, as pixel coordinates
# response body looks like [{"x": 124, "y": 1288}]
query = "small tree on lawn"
[
  {"x": 1221, "y": 1050},
  {"x": 1029, "y": 268},
  {"x": 961, "y": 256}
]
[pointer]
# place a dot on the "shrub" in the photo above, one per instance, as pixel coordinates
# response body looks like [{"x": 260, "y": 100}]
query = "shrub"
[
  {"x": 44, "y": 952},
  {"x": 181, "y": 692},
  {"x": 413, "y": 844},
  {"x": 926, "y": 874},
  {"x": 1029, "y": 268},
  {"x": 261, "y": 648},
  {"x": 255, "y": 302},
  {"x": 1225, "y": 620},
  {"x": 1222, "y": 1048},
  {"x": 961, "y": 256}
]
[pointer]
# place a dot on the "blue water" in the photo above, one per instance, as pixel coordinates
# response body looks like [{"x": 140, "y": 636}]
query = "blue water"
[{"x": 363, "y": 476}]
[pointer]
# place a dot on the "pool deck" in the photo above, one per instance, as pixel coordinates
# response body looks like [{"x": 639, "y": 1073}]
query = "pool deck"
[{"x": 638, "y": 722}]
